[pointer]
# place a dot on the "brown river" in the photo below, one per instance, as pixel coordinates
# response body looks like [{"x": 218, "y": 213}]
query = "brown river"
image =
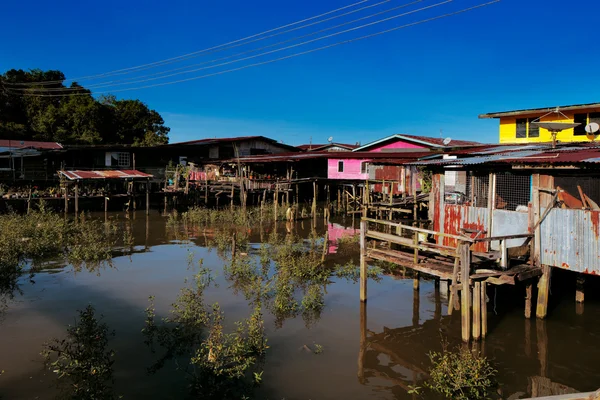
[{"x": 368, "y": 352}]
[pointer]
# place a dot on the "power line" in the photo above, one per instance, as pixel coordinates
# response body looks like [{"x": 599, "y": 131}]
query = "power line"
[
  {"x": 261, "y": 54},
  {"x": 288, "y": 56},
  {"x": 163, "y": 74},
  {"x": 188, "y": 55}
]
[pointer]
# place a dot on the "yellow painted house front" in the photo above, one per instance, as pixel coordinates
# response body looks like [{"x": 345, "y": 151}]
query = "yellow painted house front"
[{"x": 516, "y": 126}]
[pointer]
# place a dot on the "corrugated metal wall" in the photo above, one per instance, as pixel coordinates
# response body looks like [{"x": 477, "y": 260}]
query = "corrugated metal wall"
[
  {"x": 570, "y": 240},
  {"x": 457, "y": 217}
]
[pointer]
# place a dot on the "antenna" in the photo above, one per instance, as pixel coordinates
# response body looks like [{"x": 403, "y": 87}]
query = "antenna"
[
  {"x": 447, "y": 141},
  {"x": 330, "y": 139}
]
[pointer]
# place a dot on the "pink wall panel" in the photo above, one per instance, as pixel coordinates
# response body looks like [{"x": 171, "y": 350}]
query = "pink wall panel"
[{"x": 351, "y": 169}]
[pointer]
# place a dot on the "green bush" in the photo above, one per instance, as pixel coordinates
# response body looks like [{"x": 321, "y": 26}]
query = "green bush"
[{"x": 461, "y": 374}]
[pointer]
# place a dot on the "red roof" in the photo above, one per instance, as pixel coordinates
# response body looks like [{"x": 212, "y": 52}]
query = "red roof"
[
  {"x": 317, "y": 147},
  {"x": 105, "y": 174},
  {"x": 440, "y": 141},
  {"x": 21, "y": 144}
]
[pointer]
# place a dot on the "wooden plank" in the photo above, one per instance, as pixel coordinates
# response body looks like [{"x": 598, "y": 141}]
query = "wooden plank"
[
  {"x": 427, "y": 267},
  {"x": 421, "y": 230}
]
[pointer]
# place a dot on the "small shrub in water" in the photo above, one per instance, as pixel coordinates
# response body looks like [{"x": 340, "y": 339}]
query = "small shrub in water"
[
  {"x": 82, "y": 360},
  {"x": 460, "y": 374}
]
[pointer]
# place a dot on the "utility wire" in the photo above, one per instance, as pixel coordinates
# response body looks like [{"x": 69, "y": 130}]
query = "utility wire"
[
  {"x": 261, "y": 54},
  {"x": 163, "y": 74},
  {"x": 284, "y": 57},
  {"x": 195, "y": 53}
]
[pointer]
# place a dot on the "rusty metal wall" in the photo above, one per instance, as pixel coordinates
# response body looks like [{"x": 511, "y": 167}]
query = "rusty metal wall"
[
  {"x": 570, "y": 240},
  {"x": 459, "y": 216}
]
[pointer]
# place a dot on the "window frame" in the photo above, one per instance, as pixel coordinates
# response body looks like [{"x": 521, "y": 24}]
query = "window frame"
[
  {"x": 580, "y": 130},
  {"x": 121, "y": 156},
  {"x": 364, "y": 167},
  {"x": 521, "y": 123},
  {"x": 340, "y": 166}
]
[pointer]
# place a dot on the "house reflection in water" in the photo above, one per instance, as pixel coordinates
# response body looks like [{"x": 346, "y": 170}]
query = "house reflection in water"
[{"x": 336, "y": 232}]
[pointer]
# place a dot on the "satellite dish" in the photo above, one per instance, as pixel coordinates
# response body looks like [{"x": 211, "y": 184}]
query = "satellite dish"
[
  {"x": 447, "y": 141},
  {"x": 592, "y": 128},
  {"x": 330, "y": 139}
]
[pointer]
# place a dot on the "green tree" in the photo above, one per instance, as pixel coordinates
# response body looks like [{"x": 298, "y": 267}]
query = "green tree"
[{"x": 80, "y": 119}]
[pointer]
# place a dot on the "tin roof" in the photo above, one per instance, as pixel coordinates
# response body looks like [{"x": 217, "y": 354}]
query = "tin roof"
[
  {"x": 319, "y": 147},
  {"x": 210, "y": 141},
  {"x": 20, "y": 144},
  {"x": 105, "y": 174},
  {"x": 426, "y": 141},
  {"x": 574, "y": 107},
  {"x": 536, "y": 154}
]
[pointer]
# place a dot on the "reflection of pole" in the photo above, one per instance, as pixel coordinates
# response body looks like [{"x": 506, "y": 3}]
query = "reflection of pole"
[
  {"x": 363, "y": 343},
  {"x": 542, "y": 344},
  {"x": 416, "y": 306}
]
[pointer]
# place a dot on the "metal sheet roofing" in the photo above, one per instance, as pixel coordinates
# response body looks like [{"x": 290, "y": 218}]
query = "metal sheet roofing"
[
  {"x": 19, "y": 144},
  {"x": 105, "y": 174},
  {"x": 539, "y": 110}
]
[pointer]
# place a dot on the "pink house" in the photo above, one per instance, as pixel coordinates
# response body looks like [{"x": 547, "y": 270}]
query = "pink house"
[{"x": 355, "y": 165}]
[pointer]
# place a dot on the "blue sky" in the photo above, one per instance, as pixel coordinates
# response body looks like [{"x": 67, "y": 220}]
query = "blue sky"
[{"x": 420, "y": 80}]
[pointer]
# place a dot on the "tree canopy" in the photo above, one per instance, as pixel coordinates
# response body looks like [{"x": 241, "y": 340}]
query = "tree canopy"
[{"x": 72, "y": 116}]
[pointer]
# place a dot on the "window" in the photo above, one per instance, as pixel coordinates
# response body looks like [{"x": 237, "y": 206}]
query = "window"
[
  {"x": 526, "y": 129},
  {"x": 340, "y": 166},
  {"x": 582, "y": 120},
  {"x": 521, "y": 128},
  {"x": 123, "y": 159},
  {"x": 363, "y": 168}
]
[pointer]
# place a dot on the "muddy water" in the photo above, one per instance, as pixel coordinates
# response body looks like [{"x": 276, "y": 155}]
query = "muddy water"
[{"x": 373, "y": 351}]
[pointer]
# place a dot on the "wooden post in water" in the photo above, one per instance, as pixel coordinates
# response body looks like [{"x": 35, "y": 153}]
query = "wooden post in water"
[
  {"x": 339, "y": 201},
  {"x": 579, "y": 288},
  {"x": 148, "y": 197},
  {"x": 275, "y": 201},
  {"x": 483, "y": 309},
  {"x": 76, "y": 198},
  {"x": 66, "y": 198},
  {"x": 363, "y": 260},
  {"x": 477, "y": 310},
  {"x": 528, "y": 295},
  {"x": 465, "y": 266},
  {"x": 363, "y": 343},
  {"x": 543, "y": 292},
  {"x": 232, "y": 193}
]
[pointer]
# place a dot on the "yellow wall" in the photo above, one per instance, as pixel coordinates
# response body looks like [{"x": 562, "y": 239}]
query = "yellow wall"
[{"x": 508, "y": 128}]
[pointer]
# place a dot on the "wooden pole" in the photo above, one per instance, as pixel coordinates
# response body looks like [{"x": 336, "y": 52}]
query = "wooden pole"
[
  {"x": 232, "y": 193},
  {"x": 313, "y": 211},
  {"x": 148, "y": 197},
  {"x": 465, "y": 266},
  {"x": 543, "y": 292},
  {"x": 363, "y": 261},
  {"x": 579, "y": 288},
  {"x": 437, "y": 313},
  {"x": 477, "y": 310},
  {"x": 76, "y": 198},
  {"x": 325, "y": 247},
  {"x": 339, "y": 201},
  {"x": 363, "y": 343},
  {"x": 275, "y": 202},
  {"x": 66, "y": 198},
  {"x": 528, "y": 295},
  {"x": 483, "y": 309}
]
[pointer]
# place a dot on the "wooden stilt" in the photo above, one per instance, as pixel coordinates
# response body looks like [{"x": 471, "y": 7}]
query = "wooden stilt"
[
  {"x": 437, "y": 313},
  {"x": 232, "y": 194},
  {"x": 339, "y": 201},
  {"x": 76, "y": 198},
  {"x": 165, "y": 204},
  {"x": 313, "y": 211},
  {"x": 363, "y": 261},
  {"x": 528, "y": 295},
  {"x": 476, "y": 310},
  {"x": 483, "y": 309},
  {"x": 416, "y": 281},
  {"x": 275, "y": 202},
  {"x": 148, "y": 197},
  {"x": 543, "y": 292},
  {"x": 363, "y": 343},
  {"x": 66, "y": 198},
  {"x": 465, "y": 266},
  {"x": 579, "y": 288}
]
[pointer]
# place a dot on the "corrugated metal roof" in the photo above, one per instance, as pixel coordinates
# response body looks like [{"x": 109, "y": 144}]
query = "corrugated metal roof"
[
  {"x": 539, "y": 110},
  {"x": 105, "y": 174},
  {"x": 426, "y": 141},
  {"x": 10, "y": 143}
]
